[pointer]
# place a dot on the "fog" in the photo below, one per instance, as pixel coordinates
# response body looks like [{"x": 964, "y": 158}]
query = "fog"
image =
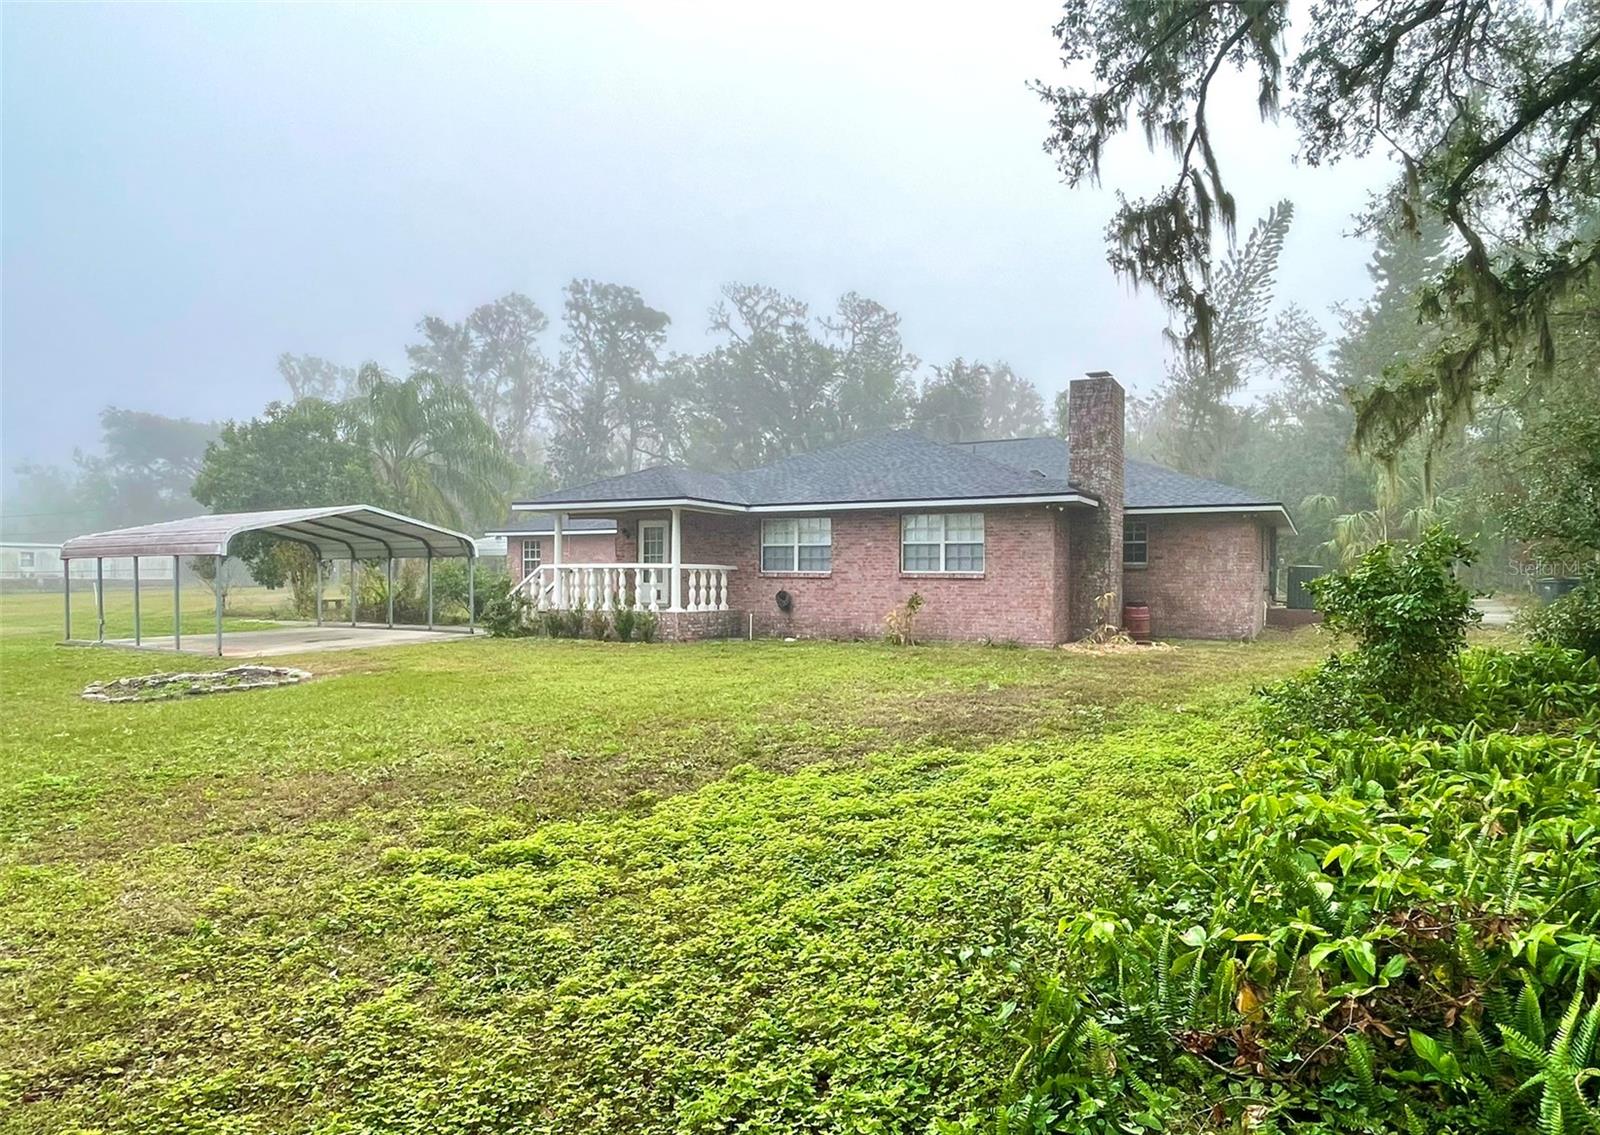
[{"x": 191, "y": 190}]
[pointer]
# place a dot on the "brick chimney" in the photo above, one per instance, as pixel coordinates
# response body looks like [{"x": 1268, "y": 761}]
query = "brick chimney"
[{"x": 1095, "y": 430}]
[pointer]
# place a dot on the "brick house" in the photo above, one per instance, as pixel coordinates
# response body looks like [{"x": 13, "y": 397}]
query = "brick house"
[{"x": 1004, "y": 540}]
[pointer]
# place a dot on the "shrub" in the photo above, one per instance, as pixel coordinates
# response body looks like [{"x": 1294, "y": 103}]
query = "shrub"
[
  {"x": 647, "y": 625},
  {"x": 1408, "y": 616},
  {"x": 1366, "y": 933},
  {"x": 1572, "y": 621},
  {"x": 574, "y": 619},
  {"x": 623, "y": 622},
  {"x": 1404, "y": 607},
  {"x": 599, "y": 625},
  {"x": 507, "y": 616},
  {"x": 900, "y": 624},
  {"x": 552, "y": 623}
]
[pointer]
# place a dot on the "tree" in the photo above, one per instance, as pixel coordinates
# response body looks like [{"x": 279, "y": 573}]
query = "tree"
[
  {"x": 293, "y": 456},
  {"x": 1489, "y": 110},
  {"x": 308, "y": 376},
  {"x": 1197, "y": 422},
  {"x": 495, "y": 355},
  {"x": 874, "y": 388},
  {"x": 605, "y": 397},
  {"x": 783, "y": 382},
  {"x": 431, "y": 452},
  {"x": 974, "y": 401}
]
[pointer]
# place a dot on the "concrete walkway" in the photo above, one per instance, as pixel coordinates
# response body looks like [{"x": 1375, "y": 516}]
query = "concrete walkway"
[
  {"x": 295, "y": 640},
  {"x": 1496, "y": 612}
]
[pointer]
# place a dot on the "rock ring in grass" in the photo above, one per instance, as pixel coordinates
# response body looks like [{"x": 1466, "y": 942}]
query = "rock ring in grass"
[{"x": 155, "y": 687}]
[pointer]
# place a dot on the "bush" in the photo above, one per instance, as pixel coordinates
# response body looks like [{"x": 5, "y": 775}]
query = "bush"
[
  {"x": 900, "y": 624},
  {"x": 1409, "y": 616},
  {"x": 507, "y": 616},
  {"x": 1404, "y": 607},
  {"x": 599, "y": 625},
  {"x": 1366, "y": 933},
  {"x": 1572, "y": 621},
  {"x": 648, "y": 625},
  {"x": 623, "y": 622}
]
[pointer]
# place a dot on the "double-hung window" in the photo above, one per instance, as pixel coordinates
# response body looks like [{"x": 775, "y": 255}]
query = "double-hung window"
[
  {"x": 1135, "y": 543},
  {"x": 802, "y": 544},
  {"x": 530, "y": 557},
  {"x": 941, "y": 542}
]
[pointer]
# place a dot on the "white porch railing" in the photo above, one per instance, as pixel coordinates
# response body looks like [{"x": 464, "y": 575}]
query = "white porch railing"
[{"x": 704, "y": 587}]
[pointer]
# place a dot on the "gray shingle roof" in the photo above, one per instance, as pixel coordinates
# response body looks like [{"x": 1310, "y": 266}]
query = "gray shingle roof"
[
  {"x": 1146, "y": 484},
  {"x": 900, "y": 465},
  {"x": 535, "y": 523}
]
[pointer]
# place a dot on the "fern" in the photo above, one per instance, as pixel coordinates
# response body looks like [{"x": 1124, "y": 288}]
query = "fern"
[{"x": 1362, "y": 1068}]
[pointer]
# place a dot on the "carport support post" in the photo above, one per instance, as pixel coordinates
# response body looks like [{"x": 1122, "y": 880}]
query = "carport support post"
[
  {"x": 472, "y": 604},
  {"x": 352, "y": 589},
  {"x": 430, "y": 587},
  {"x": 177, "y": 604},
  {"x": 221, "y": 560},
  {"x": 319, "y": 589},
  {"x": 66, "y": 591},
  {"x": 389, "y": 588},
  {"x": 136, "y": 635},
  {"x": 100, "y": 594}
]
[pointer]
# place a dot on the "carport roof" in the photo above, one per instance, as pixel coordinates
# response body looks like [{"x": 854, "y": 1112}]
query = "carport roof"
[{"x": 356, "y": 531}]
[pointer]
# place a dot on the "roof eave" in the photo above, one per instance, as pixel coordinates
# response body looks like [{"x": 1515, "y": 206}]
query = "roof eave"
[
  {"x": 1286, "y": 521},
  {"x": 995, "y": 500}
]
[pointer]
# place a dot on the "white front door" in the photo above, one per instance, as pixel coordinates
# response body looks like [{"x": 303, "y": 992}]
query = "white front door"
[{"x": 653, "y": 550}]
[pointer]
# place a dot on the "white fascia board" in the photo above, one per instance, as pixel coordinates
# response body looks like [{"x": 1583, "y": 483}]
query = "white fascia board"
[
  {"x": 939, "y": 502},
  {"x": 612, "y": 531},
  {"x": 630, "y": 505},
  {"x": 819, "y": 506},
  {"x": 1202, "y": 510}
]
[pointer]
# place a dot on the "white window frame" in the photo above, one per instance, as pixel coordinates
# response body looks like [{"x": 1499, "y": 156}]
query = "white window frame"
[
  {"x": 943, "y": 543},
  {"x": 537, "y": 549},
  {"x": 789, "y": 533},
  {"x": 1143, "y": 540},
  {"x": 25, "y": 560}
]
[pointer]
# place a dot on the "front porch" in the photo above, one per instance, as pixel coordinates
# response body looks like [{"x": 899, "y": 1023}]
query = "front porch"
[
  {"x": 662, "y": 588},
  {"x": 648, "y": 573}
]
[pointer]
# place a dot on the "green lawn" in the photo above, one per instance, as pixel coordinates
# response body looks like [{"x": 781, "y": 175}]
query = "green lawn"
[{"x": 560, "y": 886}]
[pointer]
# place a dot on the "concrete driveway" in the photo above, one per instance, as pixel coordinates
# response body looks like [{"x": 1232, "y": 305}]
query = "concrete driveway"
[{"x": 296, "y": 640}]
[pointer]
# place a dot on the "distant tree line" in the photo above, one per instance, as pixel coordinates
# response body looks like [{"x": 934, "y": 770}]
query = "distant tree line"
[
  {"x": 503, "y": 403},
  {"x": 608, "y": 396}
]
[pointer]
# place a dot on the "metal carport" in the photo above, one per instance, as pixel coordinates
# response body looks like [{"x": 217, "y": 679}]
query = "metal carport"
[{"x": 355, "y": 532}]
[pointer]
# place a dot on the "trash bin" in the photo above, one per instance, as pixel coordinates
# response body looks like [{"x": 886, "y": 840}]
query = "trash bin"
[
  {"x": 1552, "y": 588},
  {"x": 1299, "y": 596}
]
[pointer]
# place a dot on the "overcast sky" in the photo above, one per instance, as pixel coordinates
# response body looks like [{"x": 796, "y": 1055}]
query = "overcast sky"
[{"x": 191, "y": 190}]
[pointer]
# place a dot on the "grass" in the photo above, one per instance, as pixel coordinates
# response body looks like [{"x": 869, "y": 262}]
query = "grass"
[{"x": 555, "y": 886}]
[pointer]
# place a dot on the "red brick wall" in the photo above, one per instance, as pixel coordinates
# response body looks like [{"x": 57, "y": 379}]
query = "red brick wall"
[
  {"x": 586, "y": 548},
  {"x": 1021, "y": 595},
  {"x": 1206, "y": 577}
]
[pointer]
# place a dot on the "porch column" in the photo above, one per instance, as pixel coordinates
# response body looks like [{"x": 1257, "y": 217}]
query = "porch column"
[
  {"x": 676, "y": 585},
  {"x": 555, "y": 558},
  {"x": 177, "y": 604},
  {"x": 222, "y": 565}
]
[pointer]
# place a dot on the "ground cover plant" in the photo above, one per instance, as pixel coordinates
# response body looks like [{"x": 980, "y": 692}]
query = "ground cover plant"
[
  {"x": 1389, "y": 922},
  {"x": 534, "y": 885}
]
